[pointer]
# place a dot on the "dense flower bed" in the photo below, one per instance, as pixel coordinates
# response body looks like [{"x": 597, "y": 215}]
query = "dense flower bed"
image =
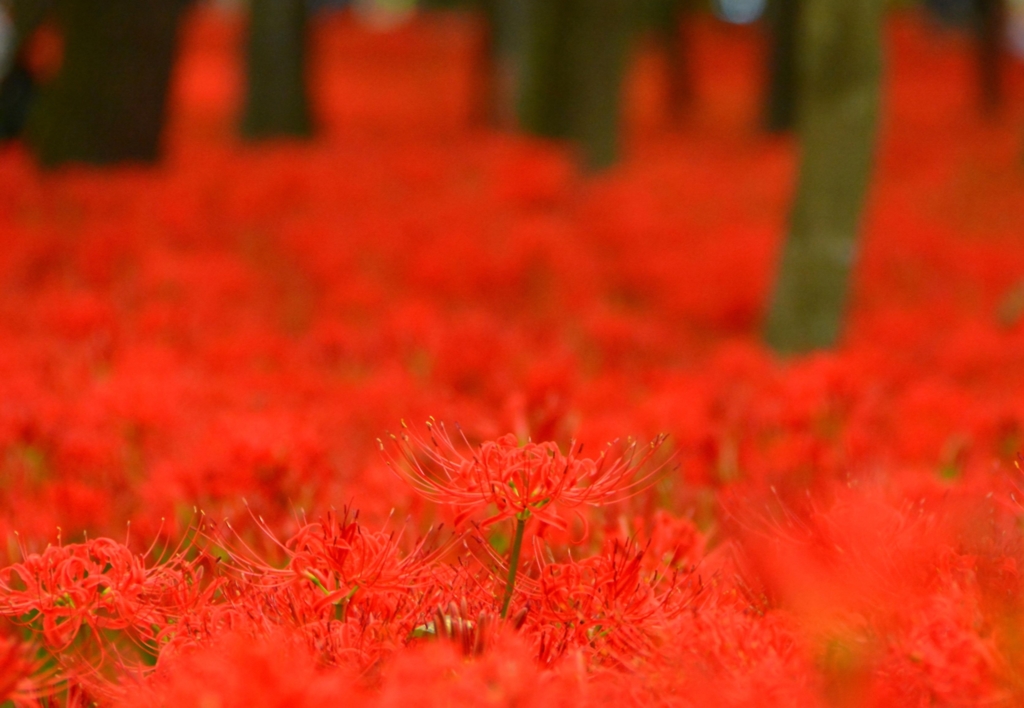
[{"x": 209, "y": 496}]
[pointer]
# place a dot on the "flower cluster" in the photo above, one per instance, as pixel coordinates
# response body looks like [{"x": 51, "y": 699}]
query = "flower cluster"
[{"x": 206, "y": 353}]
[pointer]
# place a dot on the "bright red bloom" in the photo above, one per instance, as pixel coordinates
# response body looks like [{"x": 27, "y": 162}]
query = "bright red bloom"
[
  {"x": 533, "y": 479},
  {"x": 15, "y": 668}
]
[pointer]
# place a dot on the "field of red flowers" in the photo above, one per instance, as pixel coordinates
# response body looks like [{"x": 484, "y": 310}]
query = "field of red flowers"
[{"x": 377, "y": 419}]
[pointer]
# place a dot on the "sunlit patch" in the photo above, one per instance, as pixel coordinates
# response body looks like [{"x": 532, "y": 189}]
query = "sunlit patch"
[{"x": 740, "y": 12}]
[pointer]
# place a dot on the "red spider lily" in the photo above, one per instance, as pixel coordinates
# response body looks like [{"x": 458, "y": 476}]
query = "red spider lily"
[
  {"x": 337, "y": 557},
  {"x": 190, "y": 336},
  {"x": 520, "y": 481},
  {"x": 236, "y": 670},
  {"x": 350, "y": 592},
  {"x": 96, "y": 608},
  {"x": 98, "y": 583},
  {"x": 607, "y": 604},
  {"x": 22, "y": 681}
]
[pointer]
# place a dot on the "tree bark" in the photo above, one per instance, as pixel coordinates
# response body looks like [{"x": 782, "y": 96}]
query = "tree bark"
[
  {"x": 839, "y": 65},
  {"x": 545, "y": 79},
  {"x": 16, "y": 90},
  {"x": 780, "y": 106},
  {"x": 668, "y": 25},
  {"x": 107, "y": 103},
  {"x": 487, "y": 67},
  {"x": 572, "y": 74},
  {"x": 276, "y": 102},
  {"x": 497, "y": 69},
  {"x": 990, "y": 35},
  {"x": 27, "y": 15}
]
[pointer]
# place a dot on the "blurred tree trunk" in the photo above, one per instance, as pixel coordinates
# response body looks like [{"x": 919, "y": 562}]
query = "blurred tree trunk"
[
  {"x": 16, "y": 90},
  {"x": 486, "y": 100},
  {"x": 780, "y": 107},
  {"x": 107, "y": 103},
  {"x": 668, "y": 25},
  {"x": 990, "y": 36},
  {"x": 542, "y": 106},
  {"x": 27, "y": 15},
  {"x": 17, "y": 85},
  {"x": 276, "y": 101},
  {"x": 499, "y": 59},
  {"x": 839, "y": 71},
  {"x": 573, "y": 68}
]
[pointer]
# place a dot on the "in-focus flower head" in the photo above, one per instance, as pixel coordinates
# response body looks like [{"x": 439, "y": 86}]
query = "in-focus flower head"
[{"x": 513, "y": 480}]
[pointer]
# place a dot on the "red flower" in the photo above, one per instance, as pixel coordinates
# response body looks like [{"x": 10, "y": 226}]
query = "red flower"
[{"x": 521, "y": 481}]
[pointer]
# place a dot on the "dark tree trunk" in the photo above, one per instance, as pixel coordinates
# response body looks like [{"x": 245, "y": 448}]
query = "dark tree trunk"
[
  {"x": 780, "y": 106},
  {"x": 27, "y": 15},
  {"x": 990, "y": 35},
  {"x": 839, "y": 66},
  {"x": 276, "y": 102},
  {"x": 599, "y": 42},
  {"x": 17, "y": 85},
  {"x": 16, "y": 90},
  {"x": 107, "y": 103},
  {"x": 545, "y": 80},
  {"x": 498, "y": 61},
  {"x": 573, "y": 68},
  {"x": 668, "y": 24},
  {"x": 487, "y": 98}
]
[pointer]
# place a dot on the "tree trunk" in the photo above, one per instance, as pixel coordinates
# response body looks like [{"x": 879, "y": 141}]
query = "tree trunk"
[
  {"x": 780, "y": 106},
  {"x": 990, "y": 35},
  {"x": 545, "y": 79},
  {"x": 16, "y": 90},
  {"x": 668, "y": 25},
  {"x": 839, "y": 65},
  {"x": 572, "y": 74},
  {"x": 276, "y": 102},
  {"x": 499, "y": 59},
  {"x": 17, "y": 85},
  {"x": 27, "y": 15},
  {"x": 487, "y": 67},
  {"x": 107, "y": 103}
]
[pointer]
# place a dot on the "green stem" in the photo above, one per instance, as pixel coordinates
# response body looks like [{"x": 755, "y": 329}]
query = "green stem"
[{"x": 513, "y": 563}]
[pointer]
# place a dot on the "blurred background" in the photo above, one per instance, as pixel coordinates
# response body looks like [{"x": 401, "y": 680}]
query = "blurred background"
[
  {"x": 88, "y": 85},
  {"x": 241, "y": 240}
]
